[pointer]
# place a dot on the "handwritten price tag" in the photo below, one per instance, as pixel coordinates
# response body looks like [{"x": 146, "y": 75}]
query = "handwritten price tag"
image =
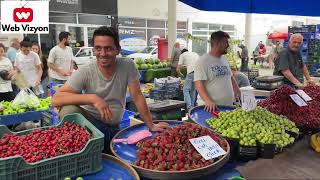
[
  {"x": 207, "y": 147},
  {"x": 304, "y": 95},
  {"x": 297, "y": 99},
  {"x": 248, "y": 100}
]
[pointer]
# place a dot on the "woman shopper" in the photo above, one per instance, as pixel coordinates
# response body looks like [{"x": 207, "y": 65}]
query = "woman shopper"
[{"x": 6, "y": 74}]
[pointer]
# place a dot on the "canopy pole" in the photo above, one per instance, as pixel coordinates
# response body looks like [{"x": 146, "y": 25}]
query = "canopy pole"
[
  {"x": 172, "y": 24},
  {"x": 247, "y": 31}
]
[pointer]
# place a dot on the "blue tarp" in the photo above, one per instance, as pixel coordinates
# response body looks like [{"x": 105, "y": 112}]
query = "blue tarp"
[{"x": 285, "y": 7}]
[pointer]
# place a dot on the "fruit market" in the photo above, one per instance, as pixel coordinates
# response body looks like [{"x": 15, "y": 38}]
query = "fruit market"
[{"x": 190, "y": 90}]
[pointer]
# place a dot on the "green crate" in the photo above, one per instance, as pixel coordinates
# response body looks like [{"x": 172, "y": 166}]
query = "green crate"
[{"x": 86, "y": 161}]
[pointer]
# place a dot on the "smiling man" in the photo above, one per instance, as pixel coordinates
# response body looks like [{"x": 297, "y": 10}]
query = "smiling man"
[
  {"x": 104, "y": 84},
  {"x": 290, "y": 65}
]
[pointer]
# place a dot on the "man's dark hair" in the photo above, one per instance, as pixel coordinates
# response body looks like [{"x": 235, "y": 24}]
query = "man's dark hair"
[
  {"x": 25, "y": 44},
  {"x": 107, "y": 31},
  {"x": 26, "y": 38},
  {"x": 218, "y": 36},
  {"x": 64, "y": 34},
  {"x": 184, "y": 50},
  {"x": 2, "y": 46}
]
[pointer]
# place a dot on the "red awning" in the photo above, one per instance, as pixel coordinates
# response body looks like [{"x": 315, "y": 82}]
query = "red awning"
[{"x": 278, "y": 35}]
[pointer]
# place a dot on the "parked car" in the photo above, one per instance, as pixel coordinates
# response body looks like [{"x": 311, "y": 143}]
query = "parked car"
[
  {"x": 83, "y": 55},
  {"x": 148, "y": 52}
]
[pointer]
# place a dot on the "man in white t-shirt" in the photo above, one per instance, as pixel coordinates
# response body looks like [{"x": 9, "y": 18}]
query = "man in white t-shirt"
[
  {"x": 29, "y": 64},
  {"x": 189, "y": 60},
  {"x": 212, "y": 75},
  {"x": 60, "y": 60}
]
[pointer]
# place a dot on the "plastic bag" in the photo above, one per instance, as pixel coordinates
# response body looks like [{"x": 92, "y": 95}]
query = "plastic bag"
[{"x": 25, "y": 99}]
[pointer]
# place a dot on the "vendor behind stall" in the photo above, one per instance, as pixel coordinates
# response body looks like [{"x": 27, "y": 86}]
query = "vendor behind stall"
[
  {"x": 104, "y": 83},
  {"x": 212, "y": 75},
  {"x": 290, "y": 65}
]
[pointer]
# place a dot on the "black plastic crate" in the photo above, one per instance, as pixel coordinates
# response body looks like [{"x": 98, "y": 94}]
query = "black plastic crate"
[
  {"x": 266, "y": 151},
  {"x": 247, "y": 153},
  {"x": 234, "y": 147}
]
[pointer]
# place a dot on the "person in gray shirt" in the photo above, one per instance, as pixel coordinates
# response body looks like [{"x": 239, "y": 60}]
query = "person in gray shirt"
[
  {"x": 244, "y": 56},
  {"x": 290, "y": 65},
  {"x": 98, "y": 91},
  {"x": 175, "y": 59},
  {"x": 212, "y": 75}
]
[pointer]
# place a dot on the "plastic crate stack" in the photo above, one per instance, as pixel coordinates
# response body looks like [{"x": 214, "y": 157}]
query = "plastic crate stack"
[
  {"x": 310, "y": 49},
  {"x": 252, "y": 74},
  {"x": 165, "y": 88}
]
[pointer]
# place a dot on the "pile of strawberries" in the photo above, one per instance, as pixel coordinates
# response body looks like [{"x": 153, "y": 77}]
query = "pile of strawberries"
[
  {"x": 171, "y": 150},
  {"x": 42, "y": 144}
]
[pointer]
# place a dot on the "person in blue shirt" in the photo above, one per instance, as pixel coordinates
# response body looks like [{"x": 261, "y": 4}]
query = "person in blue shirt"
[
  {"x": 13, "y": 49},
  {"x": 241, "y": 78}
]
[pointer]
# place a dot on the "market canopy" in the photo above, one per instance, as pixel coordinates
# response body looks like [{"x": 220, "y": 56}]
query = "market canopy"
[{"x": 285, "y": 7}]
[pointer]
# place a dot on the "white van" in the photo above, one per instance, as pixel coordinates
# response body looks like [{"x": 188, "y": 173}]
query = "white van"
[{"x": 148, "y": 52}]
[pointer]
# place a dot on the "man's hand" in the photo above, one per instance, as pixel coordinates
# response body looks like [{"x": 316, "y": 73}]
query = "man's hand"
[
  {"x": 161, "y": 126},
  {"x": 103, "y": 108},
  {"x": 62, "y": 73},
  {"x": 38, "y": 82},
  {"x": 210, "y": 106},
  {"x": 237, "y": 93},
  {"x": 311, "y": 82},
  {"x": 11, "y": 74},
  {"x": 300, "y": 86}
]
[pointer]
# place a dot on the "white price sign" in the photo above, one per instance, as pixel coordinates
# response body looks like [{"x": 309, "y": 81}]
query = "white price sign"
[
  {"x": 248, "y": 100},
  {"x": 297, "y": 99},
  {"x": 207, "y": 147},
  {"x": 304, "y": 95}
]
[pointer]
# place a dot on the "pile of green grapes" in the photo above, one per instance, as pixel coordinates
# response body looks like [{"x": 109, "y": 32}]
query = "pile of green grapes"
[{"x": 259, "y": 125}]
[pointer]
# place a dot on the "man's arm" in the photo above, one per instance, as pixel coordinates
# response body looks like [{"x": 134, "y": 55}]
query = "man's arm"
[
  {"x": 56, "y": 69},
  {"x": 236, "y": 89},
  {"x": 287, "y": 73},
  {"x": 140, "y": 102},
  {"x": 66, "y": 95},
  {"x": 209, "y": 104},
  {"x": 306, "y": 73},
  {"x": 39, "y": 74}
]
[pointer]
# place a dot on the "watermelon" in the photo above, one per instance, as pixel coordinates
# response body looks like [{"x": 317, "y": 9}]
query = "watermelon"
[
  {"x": 144, "y": 66},
  {"x": 155, "y": 66},
  {"x": 139, "y": 61},
  {"x": 137, "y": 65}
]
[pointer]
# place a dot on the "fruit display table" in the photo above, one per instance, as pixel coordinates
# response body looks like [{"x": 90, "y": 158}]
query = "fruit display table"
[
  {"x": 226, "y": 172},
  {"x": 21, "y": 117}
]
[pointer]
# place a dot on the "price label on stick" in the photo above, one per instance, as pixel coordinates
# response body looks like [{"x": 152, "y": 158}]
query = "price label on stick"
[
  {"x": 207, "y": 147},
  {"x": 304, "y": 95},
  {"x": 298, "y": 100}
]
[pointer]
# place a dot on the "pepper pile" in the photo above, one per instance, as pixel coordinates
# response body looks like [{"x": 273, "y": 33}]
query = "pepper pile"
[
  {"x": 171, "y": 150},
  {"x": 43, "y": 144},
  {"x": 280, "y": 103}
]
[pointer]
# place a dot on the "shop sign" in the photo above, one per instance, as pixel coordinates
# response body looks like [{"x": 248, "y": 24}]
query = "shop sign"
[
  {"x": 24, "y": 17},
  {"x": 132, "y": 40}
]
